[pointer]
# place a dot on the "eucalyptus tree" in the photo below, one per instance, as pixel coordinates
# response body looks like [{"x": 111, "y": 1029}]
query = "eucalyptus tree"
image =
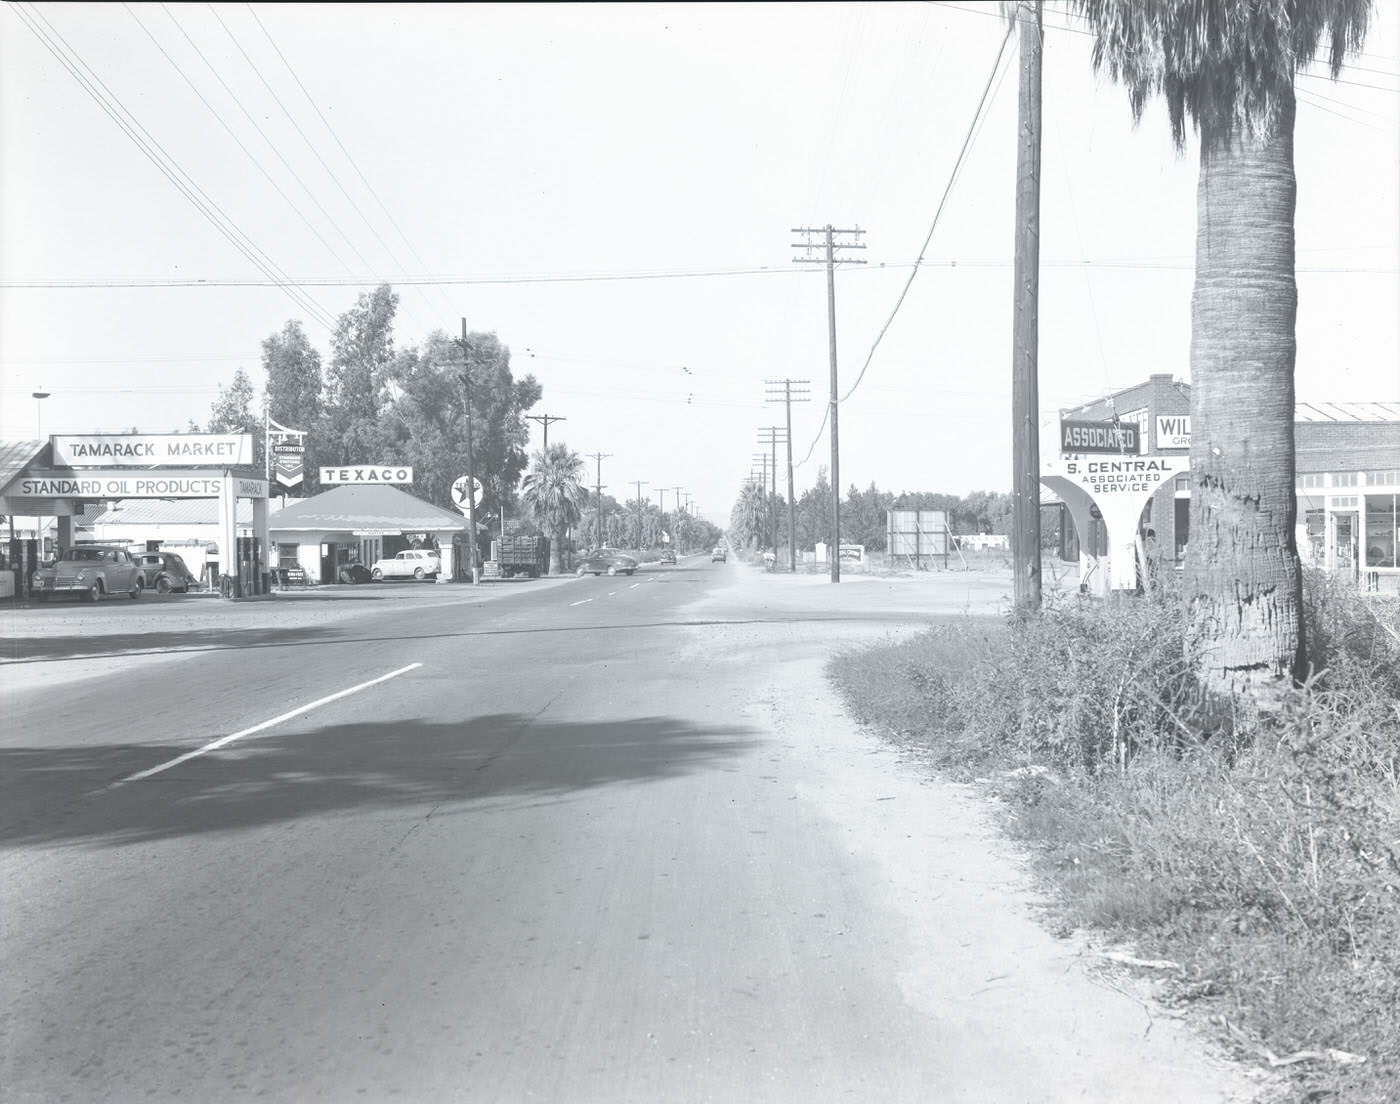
[
  {"x": 1228, "y": 67},
  {"x": 294, "y": 379},
  {"x": 554, "y": 493}
]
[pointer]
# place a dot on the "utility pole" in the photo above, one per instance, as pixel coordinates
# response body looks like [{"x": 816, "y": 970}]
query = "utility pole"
[
  {"x": 789, "y": 391},
  {"x": 678, "y": 491},
  {"x": 544, "y": 420},
  {"x": 598, "y": 501},
  {"x": 1025, "y": 400},
  {"x": 834, "y": 551},
  {"x": 640, "y": 484},
  {"x": 770, "y": 436},
  {"x": 465, "y": 377}
]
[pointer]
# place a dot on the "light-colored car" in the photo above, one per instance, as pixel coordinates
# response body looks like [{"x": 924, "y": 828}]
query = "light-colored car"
[
  {"x": 89, "y": 571},
  {"x": 411, "y": 563},
  {"x": 719, "y": 555}
]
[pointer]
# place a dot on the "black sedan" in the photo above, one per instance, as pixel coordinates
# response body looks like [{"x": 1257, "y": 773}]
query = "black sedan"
[
  {"x": 164, "y": 572},
  {"x": 606, "y": 561}
]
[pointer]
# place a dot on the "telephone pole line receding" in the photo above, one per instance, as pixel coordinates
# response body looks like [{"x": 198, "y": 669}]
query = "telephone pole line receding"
[
  {"x": 833, "y": 553},
  {"x": 544, "y": 420},
  {"x": 640, "y": 484},
  {"x": 466, "y": 378},
  {"x": 598, "y": 499},
  {"x": 789, "y": 391},
  {"x": 771, "y": 436}
]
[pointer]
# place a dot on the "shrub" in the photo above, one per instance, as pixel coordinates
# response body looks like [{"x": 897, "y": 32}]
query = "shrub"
[{"x": 1268, "y": 863}]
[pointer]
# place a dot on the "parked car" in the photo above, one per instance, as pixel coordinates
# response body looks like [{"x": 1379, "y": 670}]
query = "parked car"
[
  {"x": 353, "y": 573},
  {"x": 411, "y": 563},
  {"x": 164, "y": 572},
  {"x": 668, "y": 555},
  {"x": 606, "y": 561},
  {"x": 89, "y": 571},
  {"x": 719, "y": 555}
]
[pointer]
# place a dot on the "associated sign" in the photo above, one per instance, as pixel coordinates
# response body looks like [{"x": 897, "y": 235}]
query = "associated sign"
[
  {"x": 133, "y": 484},
  {"x": 1174, "y": 431},
  {"x": 1120, "y": 437},
  {"x": 114, "y": 450},
  {"x": 379, "y": 473},
  {"x": 1100, "y": 477}
]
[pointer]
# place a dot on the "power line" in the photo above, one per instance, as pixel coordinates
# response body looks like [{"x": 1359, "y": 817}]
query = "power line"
[
  {"x": 335, "y": 179},
  {"x": 154, "y": 152},
  {"x": 336, "y": 139},
  {"x": 224, "y": 123},
  {"x": 947, "y": 191}
]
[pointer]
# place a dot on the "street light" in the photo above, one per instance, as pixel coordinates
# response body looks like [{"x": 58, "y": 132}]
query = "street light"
[{"x": 39, "y": 397}]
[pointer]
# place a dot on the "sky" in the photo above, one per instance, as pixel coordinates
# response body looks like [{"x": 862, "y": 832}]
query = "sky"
[{"x": 613, "y": 191}]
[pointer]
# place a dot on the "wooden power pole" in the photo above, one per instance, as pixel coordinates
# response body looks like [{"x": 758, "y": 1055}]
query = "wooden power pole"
[
  {"x": 1025, "y": 399},
  {"x": 833, "y": 553}
]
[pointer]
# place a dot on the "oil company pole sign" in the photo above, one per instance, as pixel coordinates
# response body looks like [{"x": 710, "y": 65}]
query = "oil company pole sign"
[{"x": 1118, "y": 487}]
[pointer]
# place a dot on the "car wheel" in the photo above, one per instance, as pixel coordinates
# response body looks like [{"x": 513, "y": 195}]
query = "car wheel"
[
  {"x": 163, "y": 584},
  {"x": 612, "y": 571},
  {"x": 136, "y": 588},
  {"x": 377, "y": 575},
  {"x": 418, "y": 574},
  {"x": 93, "y": 592},
  {"x": 580, "y": 572}
]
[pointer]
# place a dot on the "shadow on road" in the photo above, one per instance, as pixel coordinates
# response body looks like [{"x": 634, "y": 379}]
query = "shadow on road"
[
  {"x": 43, "y": 649},
  {"x": 73, "y": 796}
]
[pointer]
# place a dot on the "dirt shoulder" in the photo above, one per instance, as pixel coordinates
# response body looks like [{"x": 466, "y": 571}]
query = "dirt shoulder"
[{"x": 1028, "y": 1015}]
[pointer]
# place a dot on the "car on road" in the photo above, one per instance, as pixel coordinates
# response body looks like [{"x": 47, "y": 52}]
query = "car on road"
[
  {"x": 606, "y": 561},
  {"x": 668, "y": 555},
  {"x": 411, "y": 563},
  {"x": 719, "y": 555},
  {"x": 89, "y": 571},
  {"x": 164, "y": 572}
]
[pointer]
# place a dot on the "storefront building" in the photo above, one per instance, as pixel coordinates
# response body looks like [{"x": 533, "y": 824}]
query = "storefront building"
[
  {"x": 1347, "y": 459},
  {"x": 359, "y": 523}
]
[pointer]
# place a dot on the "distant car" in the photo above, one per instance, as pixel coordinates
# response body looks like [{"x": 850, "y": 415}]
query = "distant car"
[
  {"x": 668, "y": 555},
  {"x": 164, "y": 572},
  {"x": 606, "y": 561},
  {"x": 411, "y": 563},
  {"x": 89, "y": 571},
  {"x": 353, "y": 573},
  {"x": 719, "y": 555}
]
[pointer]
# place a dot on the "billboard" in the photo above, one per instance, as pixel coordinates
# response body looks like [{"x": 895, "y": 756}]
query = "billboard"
[{"x": 917, "y": 533}]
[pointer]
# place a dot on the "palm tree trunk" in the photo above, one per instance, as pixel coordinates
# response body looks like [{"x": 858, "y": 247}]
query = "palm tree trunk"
[{"x": 1243, "y": 580}]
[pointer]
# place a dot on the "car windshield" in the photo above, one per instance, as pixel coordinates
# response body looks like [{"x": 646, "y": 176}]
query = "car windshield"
[{"x": 84, "y": 555}]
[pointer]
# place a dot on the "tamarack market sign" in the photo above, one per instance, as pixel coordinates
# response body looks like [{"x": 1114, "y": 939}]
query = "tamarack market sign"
[{"x": 114, "y": 450}]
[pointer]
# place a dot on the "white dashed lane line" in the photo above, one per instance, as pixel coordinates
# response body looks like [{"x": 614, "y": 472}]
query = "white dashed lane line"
[
  {"x": 581, "y": 603},
  {"x": 223, "y": 741}
]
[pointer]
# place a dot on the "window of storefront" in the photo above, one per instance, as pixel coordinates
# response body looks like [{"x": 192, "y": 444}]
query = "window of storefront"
[
  {"x": 287, "y": 555},
  {"x": 1381, "y": 537}
]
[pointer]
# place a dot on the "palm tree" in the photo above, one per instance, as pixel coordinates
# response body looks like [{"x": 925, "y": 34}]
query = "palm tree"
[
  {"x": 1229, "y": 65},
  {"x": 554, "y": 493}
]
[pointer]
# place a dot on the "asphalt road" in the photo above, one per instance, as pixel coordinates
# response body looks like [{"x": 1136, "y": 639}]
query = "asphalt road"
[{"x": 575, "y": 840}]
